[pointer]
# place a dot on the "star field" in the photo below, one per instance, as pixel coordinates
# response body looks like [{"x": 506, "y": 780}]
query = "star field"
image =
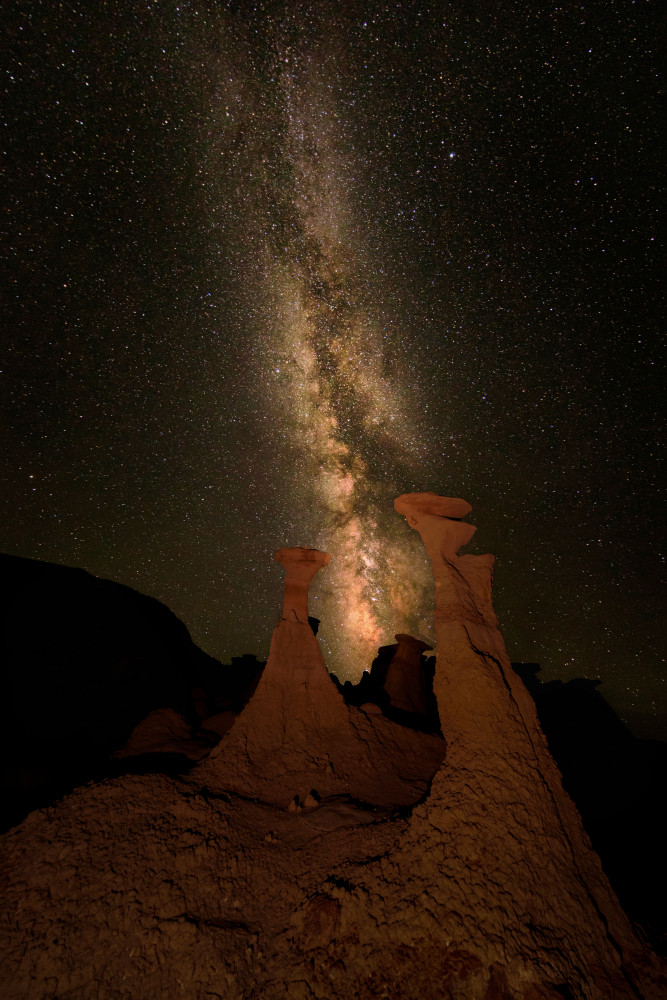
[{"x": 270, "y": 265}]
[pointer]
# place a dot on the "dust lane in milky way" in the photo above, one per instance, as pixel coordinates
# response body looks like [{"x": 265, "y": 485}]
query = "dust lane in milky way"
[{"x": 340, "y": 401}]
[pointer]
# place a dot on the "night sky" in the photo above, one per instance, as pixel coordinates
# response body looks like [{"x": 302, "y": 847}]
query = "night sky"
[{"x": 270, "y": 265}]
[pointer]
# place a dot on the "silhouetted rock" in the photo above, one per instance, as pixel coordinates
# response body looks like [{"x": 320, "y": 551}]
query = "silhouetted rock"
[
  {"x": 375, "y": 680},
  {"x": 399, "y": 686},
  {"x": 406, "y": 682},
  {"x": 227, "y": 687},
  {"x": 617, "y": 783},
  {"x": 370, "y": 686},
  {"x": 83, "y": 662},
  {"x": 163, "y": 731}
]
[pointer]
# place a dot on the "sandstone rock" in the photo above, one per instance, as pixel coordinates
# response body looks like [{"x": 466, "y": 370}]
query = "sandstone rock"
[
  {"x": 505, "y": 843},
  {"x": 144, "y": 888},
  {"x": 300, "y": 565},
  {"x": 431, "y": 503}
]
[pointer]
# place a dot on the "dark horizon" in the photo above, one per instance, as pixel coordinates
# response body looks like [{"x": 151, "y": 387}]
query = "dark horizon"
[{"x": 44, "y": 587}]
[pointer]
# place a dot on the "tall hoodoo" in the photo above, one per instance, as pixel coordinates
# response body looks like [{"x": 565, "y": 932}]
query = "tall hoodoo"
[
  {"x": 506, "y": 848},
  {"x": 297, "y": 733},
  {"x": 473, "y": 670}
]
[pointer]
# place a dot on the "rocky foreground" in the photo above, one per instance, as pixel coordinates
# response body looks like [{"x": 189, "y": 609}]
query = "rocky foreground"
[{"x": 320, "y": 851}]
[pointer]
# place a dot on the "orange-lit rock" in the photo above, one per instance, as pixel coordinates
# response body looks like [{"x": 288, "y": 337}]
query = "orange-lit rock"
[
  {"x": 300, "y": 566},
  {"x": 498, "y": 846}
]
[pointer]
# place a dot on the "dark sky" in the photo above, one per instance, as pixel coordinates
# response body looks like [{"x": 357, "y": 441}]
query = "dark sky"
[{"x": 270, "y": 265}]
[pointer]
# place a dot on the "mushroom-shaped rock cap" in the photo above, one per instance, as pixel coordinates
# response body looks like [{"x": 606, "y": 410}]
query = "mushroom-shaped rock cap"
[
  {"x": 300, "y": 566},
  {"x": 292, "y": 557},
  {"x": 431, "y": 503}
]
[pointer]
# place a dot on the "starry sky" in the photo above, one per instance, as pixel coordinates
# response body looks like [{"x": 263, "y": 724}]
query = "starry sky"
[{"x": 268, "y": 266}]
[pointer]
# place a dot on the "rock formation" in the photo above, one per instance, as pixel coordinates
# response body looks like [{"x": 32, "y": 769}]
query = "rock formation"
[
  {"x": 82, "y": 662},
  {"x": 617, "y": 782},
  {"x": 508, "y": 868},
  {"x": 297, "y": 734},
  {"x": 405, "y": 681},
  {"x": 163, "y": 731},
  {"x": 229, "y": 884},
  {"x": 300, "y": 567}
]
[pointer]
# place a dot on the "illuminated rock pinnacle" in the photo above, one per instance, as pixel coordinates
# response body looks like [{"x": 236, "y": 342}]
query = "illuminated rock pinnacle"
[
  {"x": 297, "y": 734},
  {"x": 499, "y": 842}
]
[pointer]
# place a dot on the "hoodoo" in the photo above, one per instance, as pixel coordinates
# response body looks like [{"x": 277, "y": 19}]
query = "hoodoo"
[
  {"x": 498, "y": 848},
  {"x": 300, "y": 567}
]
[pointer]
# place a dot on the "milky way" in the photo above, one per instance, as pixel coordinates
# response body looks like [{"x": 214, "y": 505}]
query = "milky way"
[
  {"x": 333, "y": 391},
  {"x": 270, "y": 266}
]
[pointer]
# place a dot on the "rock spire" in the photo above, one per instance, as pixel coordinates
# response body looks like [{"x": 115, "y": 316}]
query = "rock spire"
[{"x": 498, "y": 846}]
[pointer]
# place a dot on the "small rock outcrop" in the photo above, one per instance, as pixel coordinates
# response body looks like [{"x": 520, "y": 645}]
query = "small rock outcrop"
[
  {"x": 163, "y": 731},
  {"x": 405, "y": 682}
]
